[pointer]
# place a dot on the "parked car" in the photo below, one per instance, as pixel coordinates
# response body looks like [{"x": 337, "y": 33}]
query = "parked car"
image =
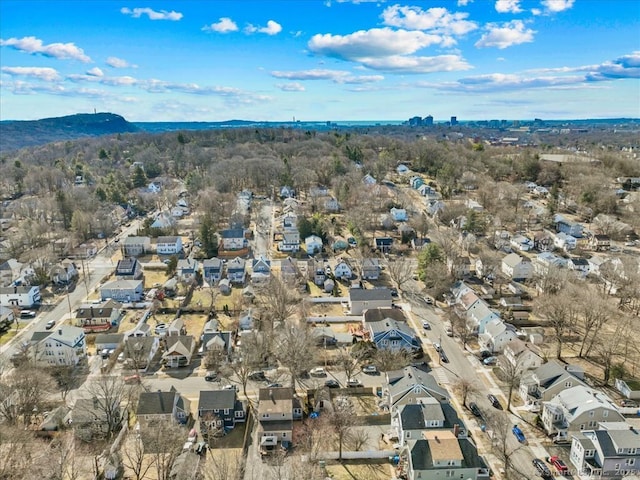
[
  {"x": 559, "y": 465},
  {"x": 201, "y": 448},
  {"x": 426, "y": 325},
  {"x": 257, "y": 376},
  {"x": 332, "y": 384},
  {"x": 428, "y": 300},
  {"x": 50, "y": 324},
  {"x": 27, "y": 314},
  {"x": 437, "y": 347},
  {"x": 443, "y": 356},
  {"x": 485, "y": 354},
  {"x": 370, "y": 369},
  {"x": 318, "y": 372},
  {"x": 519, "y": 434},
  {"x": 449, "y": 331},
  {"x": 490, "y": 360},
  {"x": 132, "y": 379},
  {"x": 354, "y": 383},
  {"x": 494, "y": 401},
  {"x": 274, "y": 385},
  {"x": 628, "y": 403},
  {"x": 394, "y": 292},
  {"x": 230, "y": 387},
  {"x": 211, "y": 376},
  {"x": 473, "y": 407},
  {"x": 542, "y": 468}
]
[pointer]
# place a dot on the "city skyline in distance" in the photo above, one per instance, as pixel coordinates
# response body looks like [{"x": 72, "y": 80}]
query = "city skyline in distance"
[{"x": 333, "y": 60}]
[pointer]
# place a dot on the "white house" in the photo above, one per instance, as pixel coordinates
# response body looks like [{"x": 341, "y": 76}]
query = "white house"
[
  {"x": 496, "y": 336},
  {"x": 579, "y": 265},
  {"x": 343, "y": 270},
  {"x": 565, "y": 241},
  {"x": 125, "y": 291},
  {"x": 64, "y": 345},
  {"x": 522, "y": 243},
  {"x": 22, "y": 296},
  {"x": 313, "y": 244},
  {"x": 233, "y": 239},
  {"x": 522, "y": 355},
  {"x": 169, "y": 245},
  {"x": 398, "y": 214},
  {"x": 290, "y": 241},
  {"x": 516, "y": 267}
]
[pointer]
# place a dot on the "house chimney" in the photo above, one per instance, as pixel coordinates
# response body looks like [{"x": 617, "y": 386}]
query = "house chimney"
[
  {"x": 271, "y": 396},
  {"x": 456, "y": 430},
  {"x": 60, "y": 331}
]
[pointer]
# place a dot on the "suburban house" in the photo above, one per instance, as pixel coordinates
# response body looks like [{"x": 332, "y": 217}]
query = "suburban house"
[
  {"x": 361, "y": 299},
  {"x": 93, "y": 418},
  {"x": 546, "y": 381},
  {"x": 233, "y": 239},
  {"x": 169, "y": 245},
  {"x": 402, "y": 169},
  {"x": 140, "y": 351},
  {"x": 416, "y": 182},
  {"x": 289, "y": 271},
  {"x": 236, "y": 271},
  {"x": 20, "y": 296},
  {"x": 610, "y": 452},
  {"x": 575, "y": 409},
  {"x": 290, "y": 242},
  {"x": 433, "y": 207},
  {"x": 260, "y": 270},
  {"x": 564, "y": 241},
  {"x": 125, "y": 291},
  {"x": 398, "y": 214},
  {"x": 543, "y": 241},
  {"x": 108, "y": 341},
  {"x": 393, "y": 335},
  {"x": 317, "y": 272},
  {"x": 277, "y": 408},
  {"x": 160, "y": 407},
  {"x": 459, "y": 266},
  {"x": 496, "y": 335},
  {"x": 516, "y": 267},
  {"x": 64, "y": 272},
  {"x": 521, "y": 355},
  {"x": 478, "y": 313},
  {"x": 212, "y": 270},
  {"x": 178, "y": 350},
  {"x": 220, "y": 341},
  {"x": 187, "y": 268},
  {"x": 224, "y": 286},
  {"x": 332, "y": 204},
  {"x": 313, "y": 244},
  {"x": 411, "y": 386},
  {"x": 219, "y": 411},
  {"x": 100, "y": 317},
  {"x": 64, "y": 345},
  {"x": 522, "y": 243},
  {"x": 128, "y": 269},
  {"x": 370, "y": 269},
  {"x": 369, "y": 180},
  {"x": 343, "y": 270},
  {"x": 410, "y": 420},
  {"x": 567, "y": 226},
  {"x": 440, "y": 454},
  {"x": 546, "y": 260},
  {"x": 383, "y": 244},
  {"x": 599, "y": 242},
  {"x": 135, "y": 246},
  {"x": 579, "y": 265}
]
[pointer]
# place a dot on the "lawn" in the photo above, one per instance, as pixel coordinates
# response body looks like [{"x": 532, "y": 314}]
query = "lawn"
[
  {"x": 7, "y": 336},
  {"x": 360, "y": 472},
  {"x": 153, "y": 277}
]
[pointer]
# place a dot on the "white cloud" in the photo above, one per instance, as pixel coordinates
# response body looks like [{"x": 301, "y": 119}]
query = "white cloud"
[
  {"x": 417, "y": 64},
  {"x": 116, "y": 62},
  {"x": 536, "y": 11},
  {"x": 505, "y": 35},
  {"x": 272, "y": 28},
  {"x": 464, "y": 3},
  {"x": 41, "y": 73},
  {"x": 435, "y": 20},
  {"x": 152, "y": 14},
  {"x": 224, "y": 25},
  {"x": 508, "y": 6},
  {"x": 95, "y": 72},
  {"x": 336, "y": 76},
  {"x": 291, "y": 87},
  {"x": 33, "y": 45},
  {"x": 557, "y": 5}
]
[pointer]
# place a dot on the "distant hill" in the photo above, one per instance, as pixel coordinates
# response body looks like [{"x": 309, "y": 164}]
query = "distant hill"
[{"x": 15, "y": 134}]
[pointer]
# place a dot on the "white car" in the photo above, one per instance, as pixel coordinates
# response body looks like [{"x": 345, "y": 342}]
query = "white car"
[{"x": 318, "y": 372}]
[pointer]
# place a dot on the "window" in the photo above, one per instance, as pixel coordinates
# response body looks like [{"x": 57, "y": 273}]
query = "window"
[
  {"x": 605, "y": 414},
  {"x": 582, "y": 426},
  {"x": 568, "y": 384},
  {"x": 226, "y": 411},
  {"x": 284, "y": 434},
  {"x": 630, "y": 461},
  {"x": 239, "y": 414},
  {"x": 620, "y": 450},
  {"x": 591, "y": 413},
  {"x": 408, "y": 435},
  {"x": 592, "y": 423},
  {"x": 632, "y": 451},
  {"x": 617, "y": 466}
]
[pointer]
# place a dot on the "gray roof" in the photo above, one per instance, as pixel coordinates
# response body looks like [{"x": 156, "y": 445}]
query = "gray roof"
[
  {"x": 232, "y": 233},
  {"x": 122, "y": 285},
  {"x": 580, "y": 399},
  {"x": 156, "y": 403},
  {"x": 65, "y": 334},
  {"x": 21, "y": 289},
  {"x": 126, "y": 266},
  {"x": 416, "y": 416},
  {"x": 171, "y": 239},
  {"x": 217, "y": 400},
  {"x": 91, "y": 312},
  {"x": 109, "y": 338},
  {"x": 212, "y": 263},
  {"x": 405, "y": 380},
  {"x": 422, "y": 460},
  {"x": 389, "y": 324},
  {"x": 136, "y": 240},
  {"x": 369, "y": 294}
]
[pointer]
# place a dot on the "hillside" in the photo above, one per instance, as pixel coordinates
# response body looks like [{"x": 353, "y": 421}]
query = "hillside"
[{"x": 19, "y": 134}]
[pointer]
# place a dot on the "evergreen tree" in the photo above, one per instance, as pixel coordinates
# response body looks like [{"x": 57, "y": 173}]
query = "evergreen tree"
[
  {"x": 208, "y": 237},
  {"x": 139, "y": 177}
]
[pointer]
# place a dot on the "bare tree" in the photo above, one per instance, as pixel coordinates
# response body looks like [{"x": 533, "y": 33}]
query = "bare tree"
[
  {"x": 296, "y": 350},
  {"x": 110, "y": 399},
  {"x": 341, "y": 421},
  {"x": 594, "y": 311},
  {"x": 559, "y": 311},
  {"x": 24, "y": 391},
  {"x": 459, "y": 326},
  {"x": 610, "y": 345},
  {"x": 223, "y": 465},
  {"x": 464, "y": 387},
  {"x": 357, "y": 439},
  {"x": 164, "y": 444},
  {"x": 347, "y": 362},
  {"x": 500, "y": 426},
  {"x": 387, "y": 359},
  {"x": 278, "y": 301},
  {"x": 133, "y": 458},
  {"x": 401, "y": 270},
  {"x": 512, "y": 372}
]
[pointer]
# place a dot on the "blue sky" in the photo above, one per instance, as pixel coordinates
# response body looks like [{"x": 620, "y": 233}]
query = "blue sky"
[{"x": 320, "y": 60}]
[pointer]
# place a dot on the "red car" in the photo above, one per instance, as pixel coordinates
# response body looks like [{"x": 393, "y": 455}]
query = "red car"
[{"x": 560, "y": 466}]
